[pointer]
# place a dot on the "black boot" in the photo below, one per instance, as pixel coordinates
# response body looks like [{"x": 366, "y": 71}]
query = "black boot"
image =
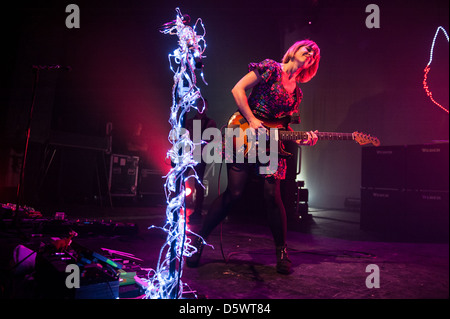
[
  {"x": 284, "y": 264},
  {"x": 194, "y": 260}
]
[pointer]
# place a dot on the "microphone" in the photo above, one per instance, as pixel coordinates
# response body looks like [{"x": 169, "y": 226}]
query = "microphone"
[{"x": 52, "y": 67}]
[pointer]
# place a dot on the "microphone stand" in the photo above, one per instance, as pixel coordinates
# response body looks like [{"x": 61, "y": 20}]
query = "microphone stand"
[{"x": 16, "y": 217}]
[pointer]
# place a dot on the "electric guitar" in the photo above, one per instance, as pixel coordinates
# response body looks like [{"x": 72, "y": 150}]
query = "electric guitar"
[{"x": 283, "y": 134}]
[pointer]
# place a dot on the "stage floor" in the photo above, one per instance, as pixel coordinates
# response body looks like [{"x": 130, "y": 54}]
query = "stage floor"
[{"x": 329, "y": 251}]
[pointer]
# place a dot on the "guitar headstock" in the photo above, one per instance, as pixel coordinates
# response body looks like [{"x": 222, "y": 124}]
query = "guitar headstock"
[{"x": 363, "y": 139}]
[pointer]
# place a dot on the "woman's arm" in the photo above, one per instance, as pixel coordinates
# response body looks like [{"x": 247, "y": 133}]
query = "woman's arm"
[{"x": 249, "y": 81}]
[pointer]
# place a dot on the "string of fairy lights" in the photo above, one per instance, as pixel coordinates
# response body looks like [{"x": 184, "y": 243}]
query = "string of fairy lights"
[
  {"x": 165, "y": 281},
  {"x": 428, "y": 68}
]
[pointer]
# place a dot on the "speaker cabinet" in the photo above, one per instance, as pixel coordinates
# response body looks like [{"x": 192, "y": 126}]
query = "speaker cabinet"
[
  {"x": 295, "y": 199},
  {"x": 427, "y": 167},
  {"x": 383, "y": 167},
  {"x": 382, "y": 209},
  {"x": 151, "y": 182},
  {"x": 404, "y": 190},
  {"x": 252, "y": 204},
  {"x": 123, "y": 176},
  {"x": 427, "y": 214}
]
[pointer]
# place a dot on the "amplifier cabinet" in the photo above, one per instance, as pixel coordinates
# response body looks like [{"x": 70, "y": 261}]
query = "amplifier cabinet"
[
  {"x": 409, "y": 167},
  {"x": 252, "y": 204},
  {"x": 404, "y": 190},
  {"x": 123, "y": 175},
  {"x": 427, "y": 214},
  {"x": 151, "y": 182},
  {"x": 382, "y": 210},
  {"x": 295, "y": 200},
  {"x": 422, "y": 215},
  {"x": 383, "y": 167},
  {"x": 427, "y": 167}
]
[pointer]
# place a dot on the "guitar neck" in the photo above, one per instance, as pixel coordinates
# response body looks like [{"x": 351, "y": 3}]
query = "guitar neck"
[
  {"x": 300, "y": 135},
  {"x": 238, "y": 121}
]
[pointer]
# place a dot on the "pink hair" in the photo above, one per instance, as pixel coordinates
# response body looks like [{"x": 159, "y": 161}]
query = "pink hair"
[{"x": 306, "y": 74}]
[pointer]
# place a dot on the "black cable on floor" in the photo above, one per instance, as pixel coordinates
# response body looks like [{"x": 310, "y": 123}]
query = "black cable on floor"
[
  {"x": 221, "y": 223},
  {"x": 218, "y": 191}
]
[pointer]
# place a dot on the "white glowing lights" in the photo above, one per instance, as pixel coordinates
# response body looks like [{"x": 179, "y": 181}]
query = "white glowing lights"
[
  {"x": 427, "y": 68},
  {"x": 165, "y": 281}
]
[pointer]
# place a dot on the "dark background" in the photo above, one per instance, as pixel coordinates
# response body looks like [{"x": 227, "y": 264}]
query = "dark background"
[{"x": 369, "y": 80}]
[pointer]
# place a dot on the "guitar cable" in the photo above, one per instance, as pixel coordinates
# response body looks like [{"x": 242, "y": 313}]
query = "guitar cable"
[
  {"x": 221, "y": 223},
  {"x": 225, "y": 258},
  {"x": 218, "y": 191}
]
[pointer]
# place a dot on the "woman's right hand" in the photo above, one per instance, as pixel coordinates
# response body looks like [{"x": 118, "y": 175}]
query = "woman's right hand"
[{"x": 254, "y": 123}]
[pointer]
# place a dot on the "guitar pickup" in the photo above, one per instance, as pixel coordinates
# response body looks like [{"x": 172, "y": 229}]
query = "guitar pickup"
[{"x": 267, "y": 133}]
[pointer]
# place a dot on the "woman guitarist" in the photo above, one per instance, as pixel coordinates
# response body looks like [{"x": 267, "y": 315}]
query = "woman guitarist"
[{"x": 275, "y": 93}]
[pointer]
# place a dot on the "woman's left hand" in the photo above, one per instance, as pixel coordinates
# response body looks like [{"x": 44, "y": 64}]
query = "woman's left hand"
[{"x": 312, "y": 138}]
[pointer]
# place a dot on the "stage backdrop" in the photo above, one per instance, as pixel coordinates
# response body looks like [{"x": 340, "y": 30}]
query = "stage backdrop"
[{"x": 369, "y": 80}]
